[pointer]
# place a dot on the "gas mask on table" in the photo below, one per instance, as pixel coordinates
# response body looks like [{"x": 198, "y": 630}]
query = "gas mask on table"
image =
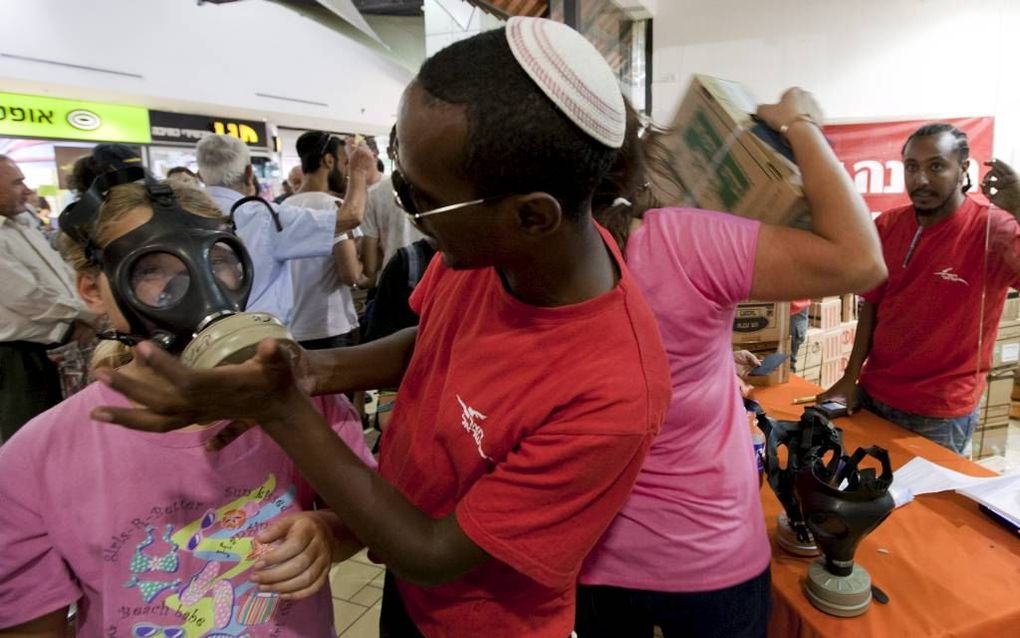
[
  {"x": 842, "y": 504},
  {"x": 813, "y": 432}
]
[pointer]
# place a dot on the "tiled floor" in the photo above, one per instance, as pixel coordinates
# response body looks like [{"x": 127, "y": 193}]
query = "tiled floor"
[{"x": 357, "y": 597}]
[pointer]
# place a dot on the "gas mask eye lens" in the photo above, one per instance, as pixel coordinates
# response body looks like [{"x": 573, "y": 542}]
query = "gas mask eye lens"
[
  {"x": 226, "y": 266},
  {"x": 160, "y": 280}
]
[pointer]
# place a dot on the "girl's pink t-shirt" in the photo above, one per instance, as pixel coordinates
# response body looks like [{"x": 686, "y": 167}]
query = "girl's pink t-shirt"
[{"x": 151, "y": 534}]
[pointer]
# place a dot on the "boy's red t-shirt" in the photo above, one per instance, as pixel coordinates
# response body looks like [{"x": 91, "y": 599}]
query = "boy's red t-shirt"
[
  {"x": 531, "y": 425},
  {"x": 924, "y": 352}
]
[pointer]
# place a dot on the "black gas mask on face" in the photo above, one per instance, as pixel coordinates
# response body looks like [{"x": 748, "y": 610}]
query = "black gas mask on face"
[{"x": 174, "y": 276}]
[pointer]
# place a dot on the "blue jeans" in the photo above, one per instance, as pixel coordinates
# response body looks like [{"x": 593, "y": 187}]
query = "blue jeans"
[
  {"x": 740, "y": 611},
  {"x": 798, "y": 330},
  {"x": 952, "y": 433}
]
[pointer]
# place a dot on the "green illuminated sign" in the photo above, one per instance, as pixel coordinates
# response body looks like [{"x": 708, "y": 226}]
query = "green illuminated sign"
[{"x": 35, "y": 116}]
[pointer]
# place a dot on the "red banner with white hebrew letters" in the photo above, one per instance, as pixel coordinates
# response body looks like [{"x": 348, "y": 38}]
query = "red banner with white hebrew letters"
[{"x": 871, "y": 153}]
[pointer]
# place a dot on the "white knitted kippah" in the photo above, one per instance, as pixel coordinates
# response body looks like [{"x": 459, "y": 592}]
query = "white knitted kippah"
[{"x": 572, "y": 73}]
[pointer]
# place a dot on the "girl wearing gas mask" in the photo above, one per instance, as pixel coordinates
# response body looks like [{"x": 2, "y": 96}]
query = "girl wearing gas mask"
[{"x": 154, "y": 534}]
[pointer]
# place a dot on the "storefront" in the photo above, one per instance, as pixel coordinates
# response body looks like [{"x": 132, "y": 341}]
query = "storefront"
[
  {"x": 46, "y": 135},
  {"x": 175, "y": 136}
]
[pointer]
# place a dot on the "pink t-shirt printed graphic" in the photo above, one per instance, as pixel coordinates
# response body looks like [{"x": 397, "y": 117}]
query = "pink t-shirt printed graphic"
[
  {"x": 154, "y": 534},
  {"x": 694, "y": 520}
]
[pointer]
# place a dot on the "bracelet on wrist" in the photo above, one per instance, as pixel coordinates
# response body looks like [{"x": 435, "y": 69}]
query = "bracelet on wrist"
[{"x": 803, "y": 117}]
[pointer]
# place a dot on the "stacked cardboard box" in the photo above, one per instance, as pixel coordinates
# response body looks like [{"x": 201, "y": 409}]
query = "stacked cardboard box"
[
  {"x": 847, "y": 335},
  {"x": 990, "y": 434},
  {"x": 825, "y": 353},
  {"x": 826, "y": 313},
  {"x": 996, "y": 398},
  {"x": 997, "y": 401},
  {"x": 764, "y": 328},
  {"x": 758, "y": 322},
  {"x": 809, "y": 356},
  {"x": 850, "y": 306},
  {"x": 1014, "y": 406},
  {"x": 718, "y": 157},
  {"x": 1007, "y": 345},
  {"x": 1011, "y": 309}
]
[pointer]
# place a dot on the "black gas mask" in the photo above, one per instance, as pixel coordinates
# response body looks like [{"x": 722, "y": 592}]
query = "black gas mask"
[
  {"x": 843, "y": 503},
  {"x": 813, "y": 435},
  {"x": 830, "y": 503},
  {"x": 172, "y": 277}
]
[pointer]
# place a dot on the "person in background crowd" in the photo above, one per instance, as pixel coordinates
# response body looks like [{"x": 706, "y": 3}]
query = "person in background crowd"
[
  {"x": 324, "y": 315},
  {"x": 689, "y": 551},
  {"x": 798, "y": 328},
  {"x": 43, "y": 210},
  {"x": 916, "y": 359},
  {"x": 38, "y": 309},
  {"x": 486, "y": 501},
  {"x": 103, "y": 158},
  {"x": 386, "y": 228},
  {"x": 292, "y": 184},
  {"x": 287, "y": 192},
  {"x": 37, "y": 209},
  {"x": 274, "y": 235},
  {"x": 182, "y": 175},
  {"x": 211, "y": 547},
  {"x": 353, "y": 141},
  {"x": 391, "y": 308}
]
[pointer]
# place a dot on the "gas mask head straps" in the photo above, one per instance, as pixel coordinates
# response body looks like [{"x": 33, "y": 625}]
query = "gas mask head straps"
[{"x": 78, "y": 219}]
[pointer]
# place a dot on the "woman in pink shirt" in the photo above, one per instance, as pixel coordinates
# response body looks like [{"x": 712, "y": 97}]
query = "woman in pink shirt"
[{"x": 689, "y": 551}]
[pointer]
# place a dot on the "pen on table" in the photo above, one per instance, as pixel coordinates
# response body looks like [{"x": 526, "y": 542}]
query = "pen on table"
[{"x": 804, "y": 400}]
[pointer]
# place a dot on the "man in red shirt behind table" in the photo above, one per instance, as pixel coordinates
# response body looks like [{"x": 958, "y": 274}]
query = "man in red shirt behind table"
[{"x": 916, "y": 359}]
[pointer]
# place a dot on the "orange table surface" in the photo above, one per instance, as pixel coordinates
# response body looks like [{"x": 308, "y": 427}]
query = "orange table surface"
[{"x": 948, "y": 569}]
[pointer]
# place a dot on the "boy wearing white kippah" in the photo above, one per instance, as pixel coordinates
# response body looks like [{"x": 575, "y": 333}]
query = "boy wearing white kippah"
[{"x": 536, "y": 380}]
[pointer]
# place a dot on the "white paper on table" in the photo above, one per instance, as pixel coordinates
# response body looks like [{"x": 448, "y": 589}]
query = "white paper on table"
[
  {"x": 921, "y": 476},
  {"x": 1000, "y": 494}
]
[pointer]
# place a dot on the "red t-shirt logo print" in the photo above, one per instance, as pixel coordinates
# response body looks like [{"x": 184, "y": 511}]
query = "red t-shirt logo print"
[
  {"x": 470, "y": 420},
  {"x": 949, "y": 275}
]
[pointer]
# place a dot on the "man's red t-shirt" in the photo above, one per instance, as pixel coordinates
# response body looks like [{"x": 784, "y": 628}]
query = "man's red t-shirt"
[
  {"x": 531, "y": 424},
  {"x": 924, "y": 353}
]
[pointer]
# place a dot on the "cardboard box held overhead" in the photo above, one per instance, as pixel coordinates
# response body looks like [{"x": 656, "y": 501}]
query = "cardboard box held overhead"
[{"x": 717, "y": 157}]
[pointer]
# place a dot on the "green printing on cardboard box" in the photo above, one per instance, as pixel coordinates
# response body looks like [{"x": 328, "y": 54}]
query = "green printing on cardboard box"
[{"x": 731, "y": 183}]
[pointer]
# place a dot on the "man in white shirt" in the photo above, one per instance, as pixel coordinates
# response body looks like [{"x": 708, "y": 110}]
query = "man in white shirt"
[
  {"x": 39, "y": 308},
  {"x": 224, "y": 164},
  {"x": 386, "y": 227},
  {"x": 324, "y": 315}
]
